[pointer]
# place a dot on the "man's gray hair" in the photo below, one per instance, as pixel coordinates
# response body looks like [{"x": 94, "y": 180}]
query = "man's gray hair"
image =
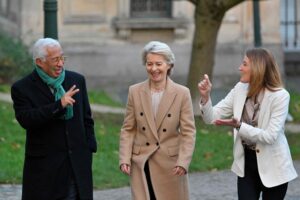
[
  {"x": 39, "y": 49},
  {"x": 159, "y": 48}
]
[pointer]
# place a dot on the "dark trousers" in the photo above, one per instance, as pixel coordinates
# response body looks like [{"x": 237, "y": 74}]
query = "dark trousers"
[
  {"x": 250, "y": 187},
  {"x": 149, "y": 183}
]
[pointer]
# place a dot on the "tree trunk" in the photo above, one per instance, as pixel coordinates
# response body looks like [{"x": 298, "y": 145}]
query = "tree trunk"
[
  {"x": 203, "y": 50},
  {"x": 208, "y": 19}
]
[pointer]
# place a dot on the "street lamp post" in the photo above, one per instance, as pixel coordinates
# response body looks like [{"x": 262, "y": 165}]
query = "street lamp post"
[
  {"x": 256, "y": 24},
  {"x": 50, "y": 22}
]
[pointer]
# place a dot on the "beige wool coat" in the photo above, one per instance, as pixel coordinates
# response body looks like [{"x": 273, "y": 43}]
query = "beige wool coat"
[{"x": 165, "y": 142}]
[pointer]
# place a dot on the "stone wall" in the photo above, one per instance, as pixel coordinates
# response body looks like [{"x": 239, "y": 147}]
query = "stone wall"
[{"x": 104, "y": 43}]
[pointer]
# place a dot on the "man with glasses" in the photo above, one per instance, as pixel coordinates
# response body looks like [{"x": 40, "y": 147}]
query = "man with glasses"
[{"x": 52, "y": 105}]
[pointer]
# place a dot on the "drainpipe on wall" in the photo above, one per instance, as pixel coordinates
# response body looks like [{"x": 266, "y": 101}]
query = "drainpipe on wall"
[
  {"x": 256, "y": 24},
  {"x": 50, "y": 22}
]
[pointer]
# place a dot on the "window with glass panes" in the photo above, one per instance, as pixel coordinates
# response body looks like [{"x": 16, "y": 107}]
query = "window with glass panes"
[{"x": 150, "y": 8}]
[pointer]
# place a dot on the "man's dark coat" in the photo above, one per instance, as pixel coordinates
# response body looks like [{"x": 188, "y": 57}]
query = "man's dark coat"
[{"x": 55, "y": 148}]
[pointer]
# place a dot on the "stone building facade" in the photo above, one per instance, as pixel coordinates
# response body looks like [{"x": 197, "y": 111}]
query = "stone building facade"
[{"x": 103, "y": 38}]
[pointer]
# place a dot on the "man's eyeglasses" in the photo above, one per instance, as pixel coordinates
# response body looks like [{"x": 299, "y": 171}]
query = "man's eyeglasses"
[{"x": 59, "y": 58}]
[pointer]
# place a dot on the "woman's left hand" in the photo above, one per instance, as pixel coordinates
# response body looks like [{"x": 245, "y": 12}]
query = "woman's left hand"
[
  {"x": 179, "y": 171},
  {"x": 227, "y": 122}
]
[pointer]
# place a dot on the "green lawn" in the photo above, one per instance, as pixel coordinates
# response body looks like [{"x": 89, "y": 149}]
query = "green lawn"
[
  {"x": 295, "y": 106},
  {"x": 12, "y": 139},
  {"x": 4, "y": 88},
  {"x": 213, "y": 151},
  {"x": 101, "y": 97}
]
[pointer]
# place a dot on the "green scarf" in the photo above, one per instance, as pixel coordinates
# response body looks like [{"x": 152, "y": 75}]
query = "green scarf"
[{"x": 59, "y": 91}]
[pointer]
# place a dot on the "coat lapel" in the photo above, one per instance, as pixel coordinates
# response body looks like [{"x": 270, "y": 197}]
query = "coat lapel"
[
  {"x": 263, "y": 107},
  {"x": 45, "y": 90},
  {"x": 165, "y": 102},
  {"x": 67, "y": 83},
  {"x": 145, "y": 96},
  {"x": 239, "y": 106},
  {"x": 241, "y": 99}
]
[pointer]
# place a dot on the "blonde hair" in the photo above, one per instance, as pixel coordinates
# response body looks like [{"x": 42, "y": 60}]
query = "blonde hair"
[{"x": 264, "y": 71}]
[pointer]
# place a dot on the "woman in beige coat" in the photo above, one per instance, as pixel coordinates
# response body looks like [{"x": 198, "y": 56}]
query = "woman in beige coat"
[{"x": 158, "y": 134}]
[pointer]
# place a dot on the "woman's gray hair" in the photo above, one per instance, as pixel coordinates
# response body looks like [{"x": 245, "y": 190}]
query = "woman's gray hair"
[
  {"x": 159, "y": 48},
  {"x": 39, "y": 49}
]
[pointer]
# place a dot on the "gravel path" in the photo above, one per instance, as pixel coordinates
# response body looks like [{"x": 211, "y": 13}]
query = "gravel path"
[{"x": 220, "y": 185}]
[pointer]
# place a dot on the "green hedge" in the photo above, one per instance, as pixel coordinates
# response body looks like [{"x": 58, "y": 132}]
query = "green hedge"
[
  {"x": 295, "y": 106},
  {"x": 15, "y": 61}
]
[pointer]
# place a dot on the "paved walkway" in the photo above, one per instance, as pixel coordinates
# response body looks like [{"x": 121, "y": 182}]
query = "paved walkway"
[{"x": 220, "y": 185}]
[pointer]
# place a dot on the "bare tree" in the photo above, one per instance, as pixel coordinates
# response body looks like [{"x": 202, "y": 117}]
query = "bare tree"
[{"x": 208, "y": 18}]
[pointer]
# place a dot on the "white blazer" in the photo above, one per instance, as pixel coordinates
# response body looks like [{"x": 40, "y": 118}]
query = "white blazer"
[{"x": 275, "y": 165}]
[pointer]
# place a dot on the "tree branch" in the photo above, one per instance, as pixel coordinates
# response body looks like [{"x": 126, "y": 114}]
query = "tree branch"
[
  {"x": 227, "y": 4},
  {"x": 193, "y": 2}
]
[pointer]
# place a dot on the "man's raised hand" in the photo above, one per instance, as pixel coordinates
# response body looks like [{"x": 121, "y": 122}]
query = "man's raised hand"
[{"x": 67, "y": 99}]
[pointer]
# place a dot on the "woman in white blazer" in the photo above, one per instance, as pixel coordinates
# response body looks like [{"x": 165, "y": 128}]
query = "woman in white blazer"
[{"x": 256, "y": 108}]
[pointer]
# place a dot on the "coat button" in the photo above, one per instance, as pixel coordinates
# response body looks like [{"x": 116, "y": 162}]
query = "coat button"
[
  {"x": 141, "y": 113},
  {"x": 164, "y": 130},
  {"x": 144, "y": 128},
  {"x": 257, "y": 150},
  {"x": 67, "y": 133},
  {"x": 70, "y": 151},
  {"x": 147, "y": 143},
  {"x": 169, "y": 115}
]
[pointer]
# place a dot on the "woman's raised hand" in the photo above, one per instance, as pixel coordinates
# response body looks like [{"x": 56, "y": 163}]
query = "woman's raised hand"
[{"x": 204, "y": 88}]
